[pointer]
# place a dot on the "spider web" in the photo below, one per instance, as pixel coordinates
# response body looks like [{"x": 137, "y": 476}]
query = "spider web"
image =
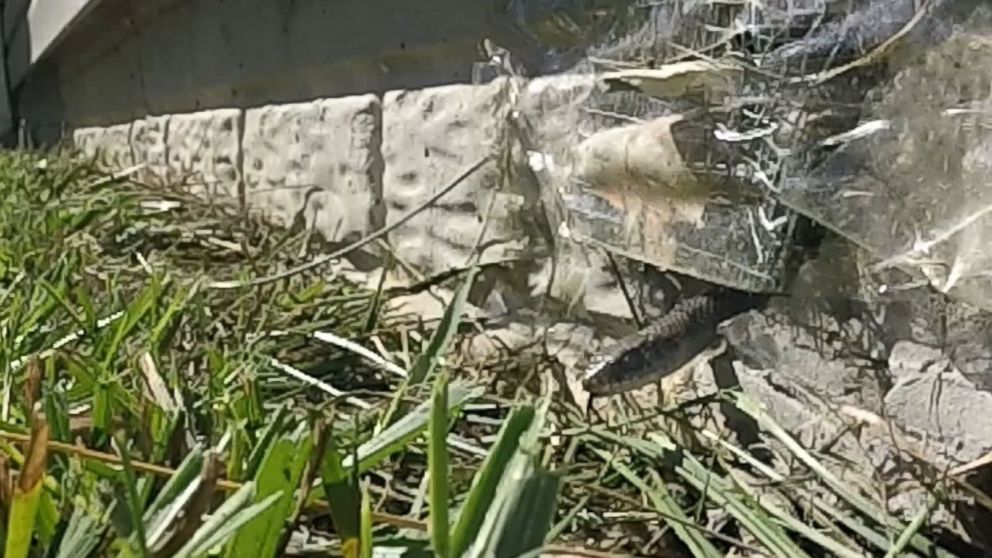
[{"x": 692, "y": 135}]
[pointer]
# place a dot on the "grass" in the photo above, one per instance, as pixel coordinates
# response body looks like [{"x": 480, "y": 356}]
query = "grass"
[{"x": 146, "y": 413}]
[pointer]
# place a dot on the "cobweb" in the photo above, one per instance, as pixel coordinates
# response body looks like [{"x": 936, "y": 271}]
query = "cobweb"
[{"x": 692, "y": 135}]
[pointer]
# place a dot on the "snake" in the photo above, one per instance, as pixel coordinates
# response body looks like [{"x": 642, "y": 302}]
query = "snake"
[{"x": 667, "y": 345}]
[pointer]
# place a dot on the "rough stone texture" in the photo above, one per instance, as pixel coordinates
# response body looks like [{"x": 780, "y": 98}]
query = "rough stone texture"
[
  {"x": 204, "y": 152},
  {"x": 882, "y": 416},
  {"x": 581, "y": 280},
  {"x": 830, "y": 358},
  {"x": 908, "y": 310},
  {"x": 430, "y": 137},
  {"x": 109, "y": 147},
  {"x": 803, "y": 413},
  {"x": 935, "y": 402},
  {"x": 148, "y": 143},
  {"x": 320, "y": 160},
  {"x": 547, "y": 120},
  {"x": 969, "y": 343},
  {"x": 884, "y": 361}
]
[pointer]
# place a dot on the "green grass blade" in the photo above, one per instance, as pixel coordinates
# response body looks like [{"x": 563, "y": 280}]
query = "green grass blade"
[
  {"x": 275, "y": 425},
  {"x": 279, "y": 473},
  {"x": 27, "y": 492},
  {"x": 914, "y": 526},
  {"x": 660, "y": 498},
  {"x": 230, "y": 518},
  {"x": 752, "y": 518},
  {"x": 856, "y": 525},
  {"x": 863, "y": 505},
  {"x": 47, "y": 519},
  {"x": 174, "y": 497},
  {"x": 342, "y": 493},
  {"x": 715, "y": 488},
  {"x": 187, "y": 472},
  {"x": 437, "y": 467},
  {"x": 487, "y": 479},
  {"x": 400, "y": 433},
  {"x": 365, "y": 539},
  {"x": 82, "y": 535},
  {"x": 531, "y": 517},
  {"x": 438, "y": 345},
  {"x": 21, "y": 521},
  {"x": 57, "y": 411},
  {"x": 137, "y": 540},
  {"x": 133, "y": 315},
  {"x": 490, "y": 535},
  {"x": 237, "y": 523},
  {"x": 821, "y": 508},
  {"x": 834, "y": 546},
  {"x": 159, "y": 333},
  {"x": 521, "y": 467}
]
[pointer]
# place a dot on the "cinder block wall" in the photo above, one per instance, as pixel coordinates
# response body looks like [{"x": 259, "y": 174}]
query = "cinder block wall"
[{"x": 346, "y": 166}]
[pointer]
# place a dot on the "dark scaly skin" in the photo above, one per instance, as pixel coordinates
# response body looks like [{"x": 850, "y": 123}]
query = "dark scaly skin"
[{"x": 667, "y": 345}]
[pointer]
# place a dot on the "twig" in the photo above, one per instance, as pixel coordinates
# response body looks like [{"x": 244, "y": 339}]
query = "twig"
[
  {"x": 870, "y": 58},
  {"x": 475, "y": 255},
  {"x": 972, "y": 466},
  {"x": 354, "y": 245},
  {"x": 332, "y": 339},
  {"x": 323, "y": 386},
  {"x": 102, "y": 322},
  {"x": 623, "y": 289},
  {"x": 124, "y": 173}
]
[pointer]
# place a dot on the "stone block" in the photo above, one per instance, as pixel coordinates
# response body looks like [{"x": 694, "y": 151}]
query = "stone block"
[
  {"x": 148, "y": 143},
  {"x": 203, "y": 151},
  {"x": 318, "y": 160},
  {"x": 108, "y": 147},
  {"x": 432, "y": 136}
]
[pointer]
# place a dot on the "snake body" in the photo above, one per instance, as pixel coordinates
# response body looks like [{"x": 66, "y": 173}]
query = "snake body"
[{"x": 667, "y": 345}]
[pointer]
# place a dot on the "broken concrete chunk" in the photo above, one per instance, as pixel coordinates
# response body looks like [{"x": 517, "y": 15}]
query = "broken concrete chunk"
[
  {"x": 934, "y": 401},
  {"x": 830, "y": 358}
]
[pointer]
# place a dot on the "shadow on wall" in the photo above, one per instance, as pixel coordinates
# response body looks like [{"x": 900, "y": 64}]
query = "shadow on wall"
[{"x": 131, "y": 58}]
